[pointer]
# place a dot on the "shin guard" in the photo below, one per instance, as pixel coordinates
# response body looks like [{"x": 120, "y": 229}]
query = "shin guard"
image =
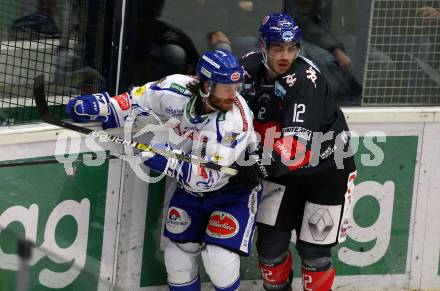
[
  {"x": 318, "y": 280},
  {"x": 277, "y": 275}
]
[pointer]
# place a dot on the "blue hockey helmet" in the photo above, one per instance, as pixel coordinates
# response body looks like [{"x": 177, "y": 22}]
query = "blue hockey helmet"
[
  {"x": 279, "y": 28},
  {"x": 220, "y": 66}
]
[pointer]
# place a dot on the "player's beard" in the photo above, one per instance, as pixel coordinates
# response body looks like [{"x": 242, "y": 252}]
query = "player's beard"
[{"x": 221, "y": 104}]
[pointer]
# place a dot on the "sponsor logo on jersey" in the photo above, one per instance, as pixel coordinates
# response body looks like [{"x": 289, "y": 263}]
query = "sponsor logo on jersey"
[
  {"x": 214, "y": 64},
  {"x": 173, "y": 111},
  {"x": 222, "y": 225},
  {"x": 320, "y": 224},
  {"x": 139, "y": 91},
  {"x": 177, "y": 87},
  {"x": 178, "y": 220},
  {"x": 230, "y": 140},
  {"x": 282, "y": 150},
  {"x": 235, "y": 76},
  {"x": 216, "y": 158},
  {"x": 123, "y": 101},
  {"x": 277, "y": 190},
  {"x": 252, "y": 203},
  {"x": 298, "y": 131},
  {"x": 328, "y": 152},
  {"x": 293, "y": 153}
]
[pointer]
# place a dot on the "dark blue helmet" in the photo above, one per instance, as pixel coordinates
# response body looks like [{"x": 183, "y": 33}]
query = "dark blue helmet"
[
  {"x": 220, "y": 66},
  {"x": 279, "y": 28}
]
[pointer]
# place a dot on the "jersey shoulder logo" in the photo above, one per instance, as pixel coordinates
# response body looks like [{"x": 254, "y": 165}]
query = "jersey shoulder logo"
[
  {"x": 177, "y": 87},
  {"x": 139, "y": 91},
  {"x": 311, "y": 75}
]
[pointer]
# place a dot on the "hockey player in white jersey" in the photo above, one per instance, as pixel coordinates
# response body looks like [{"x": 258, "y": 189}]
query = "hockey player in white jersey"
[{"x": 210, "y": 212}]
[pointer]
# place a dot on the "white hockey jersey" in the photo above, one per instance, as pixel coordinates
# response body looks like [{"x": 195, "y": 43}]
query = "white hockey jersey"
[{"x": 219, "y": 137}]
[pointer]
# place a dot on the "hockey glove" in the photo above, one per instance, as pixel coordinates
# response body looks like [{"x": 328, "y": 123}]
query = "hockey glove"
[
  {"x": 247, "y": 177},
  {"x": 88, "y": 108},
  {"x": 95, "y": 107},
  {"x": 250, "y": 176}
]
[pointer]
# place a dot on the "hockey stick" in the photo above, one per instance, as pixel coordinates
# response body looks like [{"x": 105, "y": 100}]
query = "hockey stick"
[{"x": 46, "y": 115}]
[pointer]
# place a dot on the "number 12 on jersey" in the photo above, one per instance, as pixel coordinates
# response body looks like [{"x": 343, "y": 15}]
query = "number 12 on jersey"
[{"x": 298, "y": 110}]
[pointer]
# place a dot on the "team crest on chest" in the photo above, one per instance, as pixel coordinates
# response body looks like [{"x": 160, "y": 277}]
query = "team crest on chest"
[{"x": 290, "y": 79}]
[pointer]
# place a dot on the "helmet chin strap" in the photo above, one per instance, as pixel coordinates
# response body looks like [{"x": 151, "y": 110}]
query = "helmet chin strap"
[
  {"x": 205, "y": 99},
  {"x": 265, "y": 57}
]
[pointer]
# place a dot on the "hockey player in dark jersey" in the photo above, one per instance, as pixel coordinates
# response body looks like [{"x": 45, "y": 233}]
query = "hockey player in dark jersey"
[{"x": 311, "y": 168}]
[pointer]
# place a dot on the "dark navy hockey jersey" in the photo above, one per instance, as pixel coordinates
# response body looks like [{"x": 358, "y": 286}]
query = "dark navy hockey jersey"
[{"x": 295, "y": 116}]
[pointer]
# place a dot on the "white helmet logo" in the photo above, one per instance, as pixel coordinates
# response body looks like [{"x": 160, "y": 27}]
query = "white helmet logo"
[{"x": 288, "y": 36}]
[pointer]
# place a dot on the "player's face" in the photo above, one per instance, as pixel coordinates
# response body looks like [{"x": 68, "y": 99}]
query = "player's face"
[
  {"x": 280, "y": 56},
  {"x": 223, "y": 96}
]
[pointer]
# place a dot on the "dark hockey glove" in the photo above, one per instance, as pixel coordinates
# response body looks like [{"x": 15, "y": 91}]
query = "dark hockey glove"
[
  {"x": 249, "y": 176},
  {"x": 262, "y": 164}
]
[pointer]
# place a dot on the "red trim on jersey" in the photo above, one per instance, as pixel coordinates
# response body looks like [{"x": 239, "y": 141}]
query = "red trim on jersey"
[
  {"x": 202, "y": 172},
  {"x": 262, "y": 129},
  {"x": 243, "y": 115},
  {"x": 123, "y": 101}
]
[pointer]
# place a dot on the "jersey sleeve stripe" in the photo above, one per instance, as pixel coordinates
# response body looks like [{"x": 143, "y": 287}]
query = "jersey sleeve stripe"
[
  {"x": 242, "y": 113},
  {"x": 219, "y": 136}
]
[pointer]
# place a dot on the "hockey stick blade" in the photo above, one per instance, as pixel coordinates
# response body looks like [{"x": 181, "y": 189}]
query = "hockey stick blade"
[
  {"x": 46, "y": 115},
  {"x": 40, "y": 98}
]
